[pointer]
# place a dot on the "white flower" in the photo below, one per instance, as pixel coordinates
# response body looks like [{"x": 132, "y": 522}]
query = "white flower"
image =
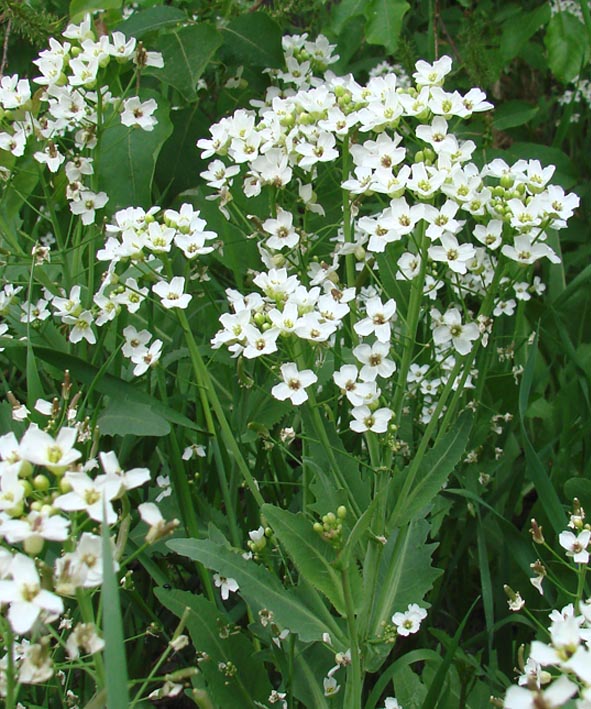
[
  {"x": 330, "y": 686},
  {"x": 87, "y": 203},
  {"x": 377, "y": 320},
  {"x": 409, "y": 621},
  {"x": 136, "y": 113},
  {"x": 26, "y": 597},
  {"x": 450, "y": 327},
  {"x": 172, "y": 294},
  {"x": 294, "y": 384},
  {"x": 367, "y": 420},
  {"x": 576, "y": 546},
  {"x": 225, "y": 585}
]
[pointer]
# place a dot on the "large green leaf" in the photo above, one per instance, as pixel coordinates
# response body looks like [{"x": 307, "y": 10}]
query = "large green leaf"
[
  {"x": 254, "y": 39},
  {"x": 127, "y": 158},
  {"x": 567, "y": 45},
  {"x": 250, "y": 684},
  {"x": 519, "y": 28},
  {"x": 259, "y": 587},
  {"x": 384, "y": 22},
  {"x": 513, "y": 113},
  {"x": 336, "y": 476},
  {"x": 311, "y": 555},
  {"x": 187, "y": 52},
  {"x": 405, "y": 574},
  {"x": 343, "y": 11},
  {"x": 434, "y": 470},
  {"x": 150, "y": 20},
  {"x": 123, "y": 417},
  {"x": 79, "y": 8}
]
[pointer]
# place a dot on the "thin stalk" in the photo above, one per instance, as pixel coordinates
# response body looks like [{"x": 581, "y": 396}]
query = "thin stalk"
[
  {"x": 87, "y": 612},
  {"x": 354, "y": 683},
  {"x": 412, "y": 324},
  {"x": 169, "y": 648},
  {"x": 322, "y": 435},
  {"x": 210, "y": 401},
  {"x": 347, "y": 224}
]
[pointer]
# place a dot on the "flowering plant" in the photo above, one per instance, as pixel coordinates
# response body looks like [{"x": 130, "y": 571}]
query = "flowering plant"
[{"x": 299, "y": 354}]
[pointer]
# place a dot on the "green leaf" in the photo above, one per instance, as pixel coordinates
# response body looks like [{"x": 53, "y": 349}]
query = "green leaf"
[
  {"x": 513, "y": 113},
  {"x": 578, "y": 487},
  {"x": 518, "y": 29},
  {"x": 343, "y": 11},
  {"x": 123, "y": 417},
  {"x": 150, "y": 20},
  {"x": 567, "y": 47},
  {"x": 434, "y": 470},
  {"x": 437, "y": 683},
  {"x": 311, "y": 555},
  {"x": 187, "y": 52},
  {"x": 254, "y": 39},
  {"x": 337, "y": 478},
  {"x": 79, "y": 8},
  {"x": 127, "y": 158},
  {"x": 259, "y": 587},
  {"x": 90, "y": 376},
  {"x": 205, "y": 623},
  {"x": 114, "y": 655},
  {"x": 384, "y": 22},
  {"x": 405, "y": 575},
  {"x": 536, "y": 471}
]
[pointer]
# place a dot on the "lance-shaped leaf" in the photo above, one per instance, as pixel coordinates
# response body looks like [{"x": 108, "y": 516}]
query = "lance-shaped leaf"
[
  {"x": 205, "y": 623},
  {"x": 384, "y": 22},
  {"x": 312, "y": 556},
  {"x": 405, "y": 574},
  {"x": 259, "y": 587},
  {"x": 434, "y": 470}
]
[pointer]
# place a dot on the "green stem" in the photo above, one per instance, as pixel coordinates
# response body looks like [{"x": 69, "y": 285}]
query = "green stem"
[
  {"x": 412, "y": 325},
  {"x": 354, "y": 684},
  {"x": 347, "y": 223},
  {"x": 210, "y": 401},
  {"x": 87, "y": 613},
  {"x": 169, "y": 648}
]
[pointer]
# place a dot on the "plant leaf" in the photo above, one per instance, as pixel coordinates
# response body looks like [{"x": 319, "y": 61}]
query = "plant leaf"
[
  {"x": 311, "y": 555},
  {"x": 79, "y": 8},
  {"x": 127, "y": 158},
  {"x": 205, "y": 621},
  {"x": 260, "y": 588},
  {"x": 187, "y": 52},
  {"x": 405, "y": 574},
  {"x": 123, "y": 417},
  {"x": 536, "y": 471},
  {"x": 566, "y": 44},
  {"x": 343, "y": 11},
  {"x": 384, "y": 22},
  {"x": 150, "y": 20},
  {"x": 254, "y": 39},
  {"x": 513, "y": 113},
  {"x": 434, "y": 470},
  {"x": 114, "y": 655}
]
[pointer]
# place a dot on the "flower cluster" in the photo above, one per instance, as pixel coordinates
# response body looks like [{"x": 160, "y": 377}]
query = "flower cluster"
[
  {"x": 417, "y": 209},
  {"x": 567, "y": 654},
  {"x": 51, "y": 500},
  {"x": 72, "y": 107}
]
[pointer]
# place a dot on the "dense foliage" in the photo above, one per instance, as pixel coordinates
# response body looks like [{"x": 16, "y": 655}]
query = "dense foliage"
[{"x": 294, "y": 354}]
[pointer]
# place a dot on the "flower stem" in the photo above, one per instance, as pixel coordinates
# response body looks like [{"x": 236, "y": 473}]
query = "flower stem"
[{"x": 209, "y": 402}]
